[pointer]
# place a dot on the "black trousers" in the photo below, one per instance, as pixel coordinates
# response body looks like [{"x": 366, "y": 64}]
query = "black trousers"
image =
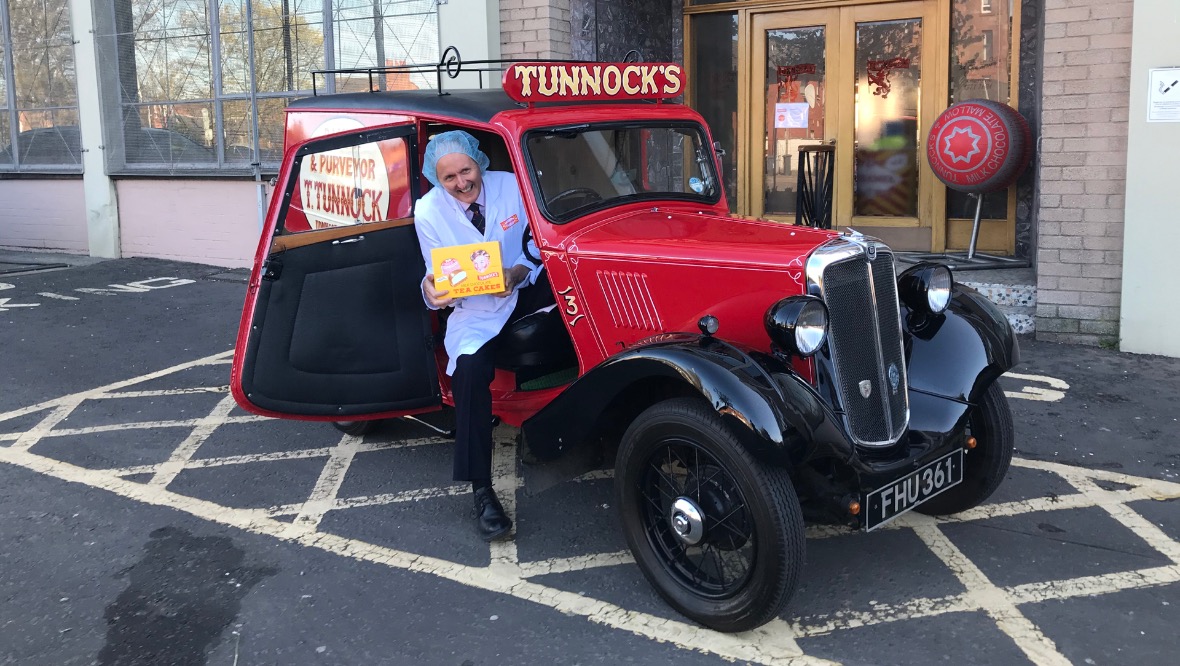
[{"x": 471, "y": 389}]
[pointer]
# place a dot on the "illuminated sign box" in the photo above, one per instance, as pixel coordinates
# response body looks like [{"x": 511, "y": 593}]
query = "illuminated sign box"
[{"x": 601, "y": 81}]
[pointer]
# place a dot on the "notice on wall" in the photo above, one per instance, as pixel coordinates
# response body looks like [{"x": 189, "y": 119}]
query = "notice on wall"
[
  {"x": 1163, "y": 101},
  {"x": 791, "y": 115}
]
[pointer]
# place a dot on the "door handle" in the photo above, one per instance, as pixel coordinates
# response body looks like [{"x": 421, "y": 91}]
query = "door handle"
[{"x": 348, "y": 240}]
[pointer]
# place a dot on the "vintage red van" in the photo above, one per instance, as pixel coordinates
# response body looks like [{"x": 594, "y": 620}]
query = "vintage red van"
[{"x": 744, "y": 376}]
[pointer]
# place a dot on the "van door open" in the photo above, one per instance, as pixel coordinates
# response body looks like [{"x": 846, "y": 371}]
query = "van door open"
[{"x": 334, "y": 326}]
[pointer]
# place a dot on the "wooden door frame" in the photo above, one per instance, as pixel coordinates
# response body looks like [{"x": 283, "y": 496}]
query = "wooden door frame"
[
  {"x": 752, "y": 170},
  {"x": 935, "y": 85},
  {"x": 995, "y": 235}
]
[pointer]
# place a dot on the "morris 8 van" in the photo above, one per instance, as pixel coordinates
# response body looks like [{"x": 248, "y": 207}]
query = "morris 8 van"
[{"x": 746, "y": 377}]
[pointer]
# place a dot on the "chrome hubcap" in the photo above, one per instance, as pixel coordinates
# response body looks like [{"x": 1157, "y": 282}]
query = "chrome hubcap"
[{"x": 688, "y": 524}]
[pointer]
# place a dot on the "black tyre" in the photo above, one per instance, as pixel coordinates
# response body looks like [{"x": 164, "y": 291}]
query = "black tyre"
[
  {"x": 716, "y": 532},
  {"x": 986, "y": 465},
  {"x": 356, "y": 428}
]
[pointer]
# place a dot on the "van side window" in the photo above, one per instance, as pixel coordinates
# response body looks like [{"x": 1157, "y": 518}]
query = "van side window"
[{"x": 355, "y": 185}]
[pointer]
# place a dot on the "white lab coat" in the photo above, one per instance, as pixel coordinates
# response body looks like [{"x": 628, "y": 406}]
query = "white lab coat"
[{"x": 441, "y": 220}]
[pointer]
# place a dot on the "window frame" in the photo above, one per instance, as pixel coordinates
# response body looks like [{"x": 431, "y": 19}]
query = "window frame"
[{"x": 566, "y": 217}]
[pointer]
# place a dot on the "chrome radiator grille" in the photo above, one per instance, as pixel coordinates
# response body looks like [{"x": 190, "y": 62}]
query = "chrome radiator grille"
[{"x": 864, "y": 334}]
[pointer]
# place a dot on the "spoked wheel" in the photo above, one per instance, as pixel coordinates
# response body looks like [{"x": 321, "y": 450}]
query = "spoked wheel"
[
  {"x": 985, "y": 466},
  {"x": 716, "y": 532},
  {"x": 356, "y": 428}
]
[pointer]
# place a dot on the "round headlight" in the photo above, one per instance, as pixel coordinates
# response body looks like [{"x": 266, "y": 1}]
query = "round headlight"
[
  {"x": 938, "y": 291},
  {"x": 926, "y": 288},
  {"x": 811, "y": 328},
  {"x": 798, "y": 324}
]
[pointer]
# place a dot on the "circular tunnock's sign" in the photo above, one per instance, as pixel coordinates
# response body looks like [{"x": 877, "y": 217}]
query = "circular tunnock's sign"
[
  {"x": 344, "y": 186},
  {"x": 978, "y": 146}
]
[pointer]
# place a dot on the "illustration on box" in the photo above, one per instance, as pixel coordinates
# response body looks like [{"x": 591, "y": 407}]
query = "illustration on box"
[{"x": 468, "y": 270}]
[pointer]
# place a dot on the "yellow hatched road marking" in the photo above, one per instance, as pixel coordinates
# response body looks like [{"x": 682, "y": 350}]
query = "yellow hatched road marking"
[{"x": 773, "y": 643}]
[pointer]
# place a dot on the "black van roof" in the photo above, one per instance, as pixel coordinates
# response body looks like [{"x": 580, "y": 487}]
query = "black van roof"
[{"x": 475, "y": 105}]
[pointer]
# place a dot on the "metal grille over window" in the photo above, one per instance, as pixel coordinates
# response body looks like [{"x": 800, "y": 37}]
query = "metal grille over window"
[
  {"x": 38, "y": 88},
  {"x": 202, "y": 86}
]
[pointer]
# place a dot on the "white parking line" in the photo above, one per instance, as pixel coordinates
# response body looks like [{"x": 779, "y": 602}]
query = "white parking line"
[
  {"x": 323, "y": 495},
  {"x": 1055, "y": 393},
  {"x": 998, "y": 604},
  {"x": 168, "y": 470}
]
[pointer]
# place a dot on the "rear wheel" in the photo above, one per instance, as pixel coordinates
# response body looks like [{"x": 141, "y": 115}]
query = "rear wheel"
[
  {"x": 985, "y": 466},
  {"x": 356, "y": 428},
  {"x": 716, "y": 532}
]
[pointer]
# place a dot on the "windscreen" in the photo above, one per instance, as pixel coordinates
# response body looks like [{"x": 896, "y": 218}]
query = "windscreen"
[{"x": 581, "y": 169}]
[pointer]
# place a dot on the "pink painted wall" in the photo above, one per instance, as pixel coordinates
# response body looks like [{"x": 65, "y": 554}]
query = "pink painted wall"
[
  {"x": 43, "y": 214},
  {"x": 203, "y": 221}
]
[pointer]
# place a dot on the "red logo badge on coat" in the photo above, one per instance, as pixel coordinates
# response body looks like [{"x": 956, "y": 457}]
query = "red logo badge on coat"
[{"x": 506, "y": 224}]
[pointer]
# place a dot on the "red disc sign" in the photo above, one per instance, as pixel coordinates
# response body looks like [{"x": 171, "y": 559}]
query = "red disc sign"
[
  {"x": 563, "y": 82},
  {"x": 978, "y": 146}
]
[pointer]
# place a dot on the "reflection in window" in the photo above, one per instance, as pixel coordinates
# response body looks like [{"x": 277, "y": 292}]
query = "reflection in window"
[
  {"x": 796, "y": 87},
  {"x": 887, "y": 94},
  {"x": 215, "y": 77},
  {"x": 981, "y": 48},
  {"x": 580, "y": 170},
  {"x": 39, "y": 106},
  {"x": 348, "y": 186}
]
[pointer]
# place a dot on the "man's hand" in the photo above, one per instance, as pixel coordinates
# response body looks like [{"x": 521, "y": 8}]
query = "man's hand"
[
  {"x": 436, "y": 299},
  {"x": 512, "y": 277}
]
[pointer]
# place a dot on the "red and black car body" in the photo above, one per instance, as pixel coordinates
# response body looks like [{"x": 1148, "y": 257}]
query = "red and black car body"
[{"x": 680, "y": 330}]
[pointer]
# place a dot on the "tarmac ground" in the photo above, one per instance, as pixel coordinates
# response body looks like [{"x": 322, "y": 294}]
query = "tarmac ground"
[{"x": 147, "y": 519}]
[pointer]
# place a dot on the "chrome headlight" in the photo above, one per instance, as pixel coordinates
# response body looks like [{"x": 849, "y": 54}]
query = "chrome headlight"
[
  {"x": 926, "y": 287},
  {"x": 798, "y": 324}
]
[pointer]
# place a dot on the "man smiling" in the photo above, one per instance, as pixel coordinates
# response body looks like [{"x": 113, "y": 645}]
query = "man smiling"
[{"x": 470, "y": 204}]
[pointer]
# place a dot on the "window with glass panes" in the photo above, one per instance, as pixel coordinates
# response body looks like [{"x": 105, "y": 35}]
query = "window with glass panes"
[
  {"x": 38, "y": 88},
  {"x": 202, "y": 85}
]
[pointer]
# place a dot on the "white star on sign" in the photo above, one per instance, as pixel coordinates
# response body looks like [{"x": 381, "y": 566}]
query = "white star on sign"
[{"x": 959, "y": 143}]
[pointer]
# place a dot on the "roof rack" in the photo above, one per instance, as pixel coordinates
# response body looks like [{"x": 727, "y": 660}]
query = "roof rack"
[{"x": 451, "y": 65}]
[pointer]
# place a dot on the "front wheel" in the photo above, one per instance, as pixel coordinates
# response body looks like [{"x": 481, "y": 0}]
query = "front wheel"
[
  {"x": 985, "y": 466},
  {"x": 356, "y": 428},
  {"x": 717, "y": 533}
]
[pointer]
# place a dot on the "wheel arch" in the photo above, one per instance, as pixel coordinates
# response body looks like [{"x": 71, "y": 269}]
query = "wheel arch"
[
  {"x": 775, "y": 415},
  {"x": 959, "y": 353}
]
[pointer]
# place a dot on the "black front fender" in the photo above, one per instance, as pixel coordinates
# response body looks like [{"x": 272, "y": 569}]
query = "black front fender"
[
  {"x": 957, "y": 354},
  {"x": 775, "y": 414}
]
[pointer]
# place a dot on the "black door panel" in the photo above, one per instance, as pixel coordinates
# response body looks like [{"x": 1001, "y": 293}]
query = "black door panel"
[
  {"x": 337, "y": 328},
  {"x": 341, "y": 330}
]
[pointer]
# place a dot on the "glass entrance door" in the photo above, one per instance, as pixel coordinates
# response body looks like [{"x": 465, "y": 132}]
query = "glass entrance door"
[
  {"x": 859, "y": 78},
  {"x": 795, "y": 54}
]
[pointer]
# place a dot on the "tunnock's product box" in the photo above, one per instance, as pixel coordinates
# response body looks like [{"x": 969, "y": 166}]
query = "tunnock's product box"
[{"x": 468, "y": 270}]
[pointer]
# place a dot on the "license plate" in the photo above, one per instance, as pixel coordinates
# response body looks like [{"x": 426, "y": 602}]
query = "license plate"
[{"x": 888, "y": 502}]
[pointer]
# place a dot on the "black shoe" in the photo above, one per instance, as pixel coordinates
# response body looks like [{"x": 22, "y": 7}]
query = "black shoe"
[{"x": 490, "y": 520}]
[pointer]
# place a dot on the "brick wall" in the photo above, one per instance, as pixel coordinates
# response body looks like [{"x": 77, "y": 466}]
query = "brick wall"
[
  {"x": 1083, "y": 166},
  {"x": 535, "y": 29}
]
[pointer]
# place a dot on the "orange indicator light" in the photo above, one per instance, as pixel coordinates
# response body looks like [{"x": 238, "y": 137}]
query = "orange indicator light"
[
  {"x": 971, "y": 442},
  {"x": 854, "y": 507}
]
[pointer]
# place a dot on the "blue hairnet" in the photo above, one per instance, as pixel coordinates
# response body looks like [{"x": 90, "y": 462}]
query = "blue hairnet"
[{"x": 455, "y": 141}]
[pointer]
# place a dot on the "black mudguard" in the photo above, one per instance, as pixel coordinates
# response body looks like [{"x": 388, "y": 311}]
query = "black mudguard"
[
  {"x": 775, "y": 414},
  {"x": 959, "y": 353}
]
